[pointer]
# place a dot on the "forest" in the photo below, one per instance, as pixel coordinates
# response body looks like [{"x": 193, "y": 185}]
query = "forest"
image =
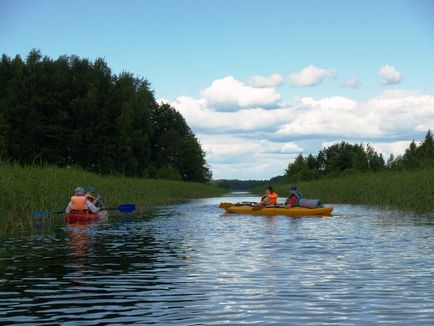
[
  {"x": 72, "y": 111},
  {"x": 344, "y": 158}
]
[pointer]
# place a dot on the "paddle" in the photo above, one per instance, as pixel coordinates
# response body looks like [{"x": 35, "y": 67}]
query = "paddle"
[{"x": 123, "y": 208}]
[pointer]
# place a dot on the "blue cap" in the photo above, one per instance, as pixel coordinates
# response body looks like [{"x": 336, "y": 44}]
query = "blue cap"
[
  {"x": 293, "y": 187},
  {"x": 90, "y": 189}
]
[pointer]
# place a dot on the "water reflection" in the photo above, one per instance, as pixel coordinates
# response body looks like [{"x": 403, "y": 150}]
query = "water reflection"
[{"x": 193, "y": 264}]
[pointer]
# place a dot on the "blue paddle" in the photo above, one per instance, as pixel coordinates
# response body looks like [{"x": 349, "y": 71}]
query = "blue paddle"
[{"x": 122, "y": 208}]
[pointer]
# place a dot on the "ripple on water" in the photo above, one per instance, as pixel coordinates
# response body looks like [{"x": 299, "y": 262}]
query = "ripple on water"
[{"x": 193, "y": 264}]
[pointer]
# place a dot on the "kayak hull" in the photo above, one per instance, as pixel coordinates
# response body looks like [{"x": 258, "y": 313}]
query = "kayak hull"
[
  {"x": 85, "y": 217},
  {"x": 293, "y": 211}
]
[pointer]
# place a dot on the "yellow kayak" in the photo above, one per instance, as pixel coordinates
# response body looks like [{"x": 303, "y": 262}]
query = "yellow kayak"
[{"x": 293, "y": 211}]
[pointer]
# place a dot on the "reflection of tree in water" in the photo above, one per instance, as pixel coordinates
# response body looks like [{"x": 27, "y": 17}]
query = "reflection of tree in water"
[
  {"x": 103, "y": 251},
  {"x": 82, "y": 266}
]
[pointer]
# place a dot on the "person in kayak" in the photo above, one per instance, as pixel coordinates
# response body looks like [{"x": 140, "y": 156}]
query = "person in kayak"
[
  {"x": 80, "y": 203},
  {"x": 294, "y": 197},
  {"x": 90, "y": 195},
  {"x": 269, "y": 198}
]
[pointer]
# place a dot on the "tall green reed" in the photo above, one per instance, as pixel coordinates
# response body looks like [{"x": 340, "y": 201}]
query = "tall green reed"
[
  {"x": 405, "y": 190},
  {"x": 24, "y": 189}
]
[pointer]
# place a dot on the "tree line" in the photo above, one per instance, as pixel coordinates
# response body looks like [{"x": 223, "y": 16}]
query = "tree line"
[
  {"x": 75, "y": 112},
  {"x": 235, "y": 184},
  {"x": 344, "y": 158}
]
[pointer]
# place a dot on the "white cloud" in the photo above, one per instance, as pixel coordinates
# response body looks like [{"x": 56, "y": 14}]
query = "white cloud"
[
  {"x": 260, "y": 81},
  {"x": 228, "y": 94},
  {"x": 392, "y": 113},
  {"x": 291, "y": 148},
  {"x": 328, "y": 103},
  {"x": 310, "y": 76},
  {"x": 238, "y": 157},
  {"x": 201, "y": 117},
  {"x": 389, "y": 75},
  {"x": 395, "y": 148},
  {"x": 255, "y": 142},
  {"x": 329, "y": 116},
  {"x": 402, "y": 111},
  {"x": 352, "y": 82}
]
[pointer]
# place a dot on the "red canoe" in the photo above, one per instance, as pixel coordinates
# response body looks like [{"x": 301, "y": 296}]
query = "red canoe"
[{"x": 85, "y": 217}]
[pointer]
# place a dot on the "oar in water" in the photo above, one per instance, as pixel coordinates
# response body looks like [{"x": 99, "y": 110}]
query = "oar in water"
[{"x": 123, "y": 208}]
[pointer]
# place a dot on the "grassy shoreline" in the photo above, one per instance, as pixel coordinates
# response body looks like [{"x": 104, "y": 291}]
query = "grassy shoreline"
[
  {"x": 405, "y": 190},
  {"x": 24, "y": 189}
]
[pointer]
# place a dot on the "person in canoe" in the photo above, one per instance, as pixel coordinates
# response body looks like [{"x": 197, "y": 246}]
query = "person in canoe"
[
  {"x": 80, "y": 203},
  {"x": 269, "y": 198},
  {"x": 294, "y": 197},
  {"x": 90, "y": 195}
]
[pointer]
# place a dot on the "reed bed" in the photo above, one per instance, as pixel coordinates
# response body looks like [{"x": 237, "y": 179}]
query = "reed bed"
[
  {"x": 24, "y": 189},
  {"x": 405, "y": 190}
]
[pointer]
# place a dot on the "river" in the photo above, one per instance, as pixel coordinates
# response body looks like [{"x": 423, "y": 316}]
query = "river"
[{"x": 192, "y": 264}]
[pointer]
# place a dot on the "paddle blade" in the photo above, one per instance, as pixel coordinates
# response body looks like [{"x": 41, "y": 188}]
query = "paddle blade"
[
  {"x": 40, "y": 213},
  {"x": 126, "y": 208},
  {"x": 225, "y": 205}
]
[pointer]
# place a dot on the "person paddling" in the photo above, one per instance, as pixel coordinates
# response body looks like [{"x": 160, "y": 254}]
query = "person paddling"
[
  {"x": 80, "y": 203},
  {"x": 269, "y": 198},
  {"x": 294, "y": 197},
  {"x": 90, "y": 195}
]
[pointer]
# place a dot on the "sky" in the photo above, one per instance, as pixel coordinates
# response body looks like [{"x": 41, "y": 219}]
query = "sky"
[{"x": 258, "y": 81}]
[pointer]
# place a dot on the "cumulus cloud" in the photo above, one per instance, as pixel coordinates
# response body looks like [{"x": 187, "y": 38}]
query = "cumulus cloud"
[
  {"x": 238, "y": 157},
  {"x": 402, "y": 111},
  {"x": 310, "y": 76},
  {"x": 291, "y": 148},
  {"x": 260, "y": 81},
  {"x": 352, "y": 82},
  {"x": 238, "y": 148},
  {"x": 330, "y": 122},
  {"x": 392, "y": 113},
  {"x": 204, "y": 118},
  {"x": 389, "y": 75},
  {"x": 328, "y": 116},
  {"x": 395, "y": 148},
  {"x": 328, "y": 103},
  {"x": 228, "y": 94},
  {"x": 256, "y": 142}
]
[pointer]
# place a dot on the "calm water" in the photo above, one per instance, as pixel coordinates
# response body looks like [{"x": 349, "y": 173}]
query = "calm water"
[{"x": 191, "y": 264}]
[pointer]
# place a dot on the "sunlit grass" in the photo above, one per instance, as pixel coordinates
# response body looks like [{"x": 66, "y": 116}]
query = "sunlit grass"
[
  {"x": 31, "y": 188},
  {"x": 406, "y": 190}
]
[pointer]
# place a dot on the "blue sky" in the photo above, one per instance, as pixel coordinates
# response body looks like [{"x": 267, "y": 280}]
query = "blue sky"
[{"x": 201, "y": 56}]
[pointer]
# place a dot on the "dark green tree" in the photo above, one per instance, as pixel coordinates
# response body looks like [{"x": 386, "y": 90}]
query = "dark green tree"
[
  {"x": 174, "y": 145},
  {"x": 375, "y": 160},
  {"x": 302, "y": 169},
  {"x": 72, "y": 111},
  {"x": 410, "y": 157},
  {"x": 426, "y": 151}
]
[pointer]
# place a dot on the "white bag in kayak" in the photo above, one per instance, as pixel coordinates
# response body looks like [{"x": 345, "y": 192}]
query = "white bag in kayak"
[{"x": 310, "y": 203}]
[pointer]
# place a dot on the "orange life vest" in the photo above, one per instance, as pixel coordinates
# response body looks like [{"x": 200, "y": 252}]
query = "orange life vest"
[
  {"x": 273, "y": 198},
  {"x": 78, "y": 203}
]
